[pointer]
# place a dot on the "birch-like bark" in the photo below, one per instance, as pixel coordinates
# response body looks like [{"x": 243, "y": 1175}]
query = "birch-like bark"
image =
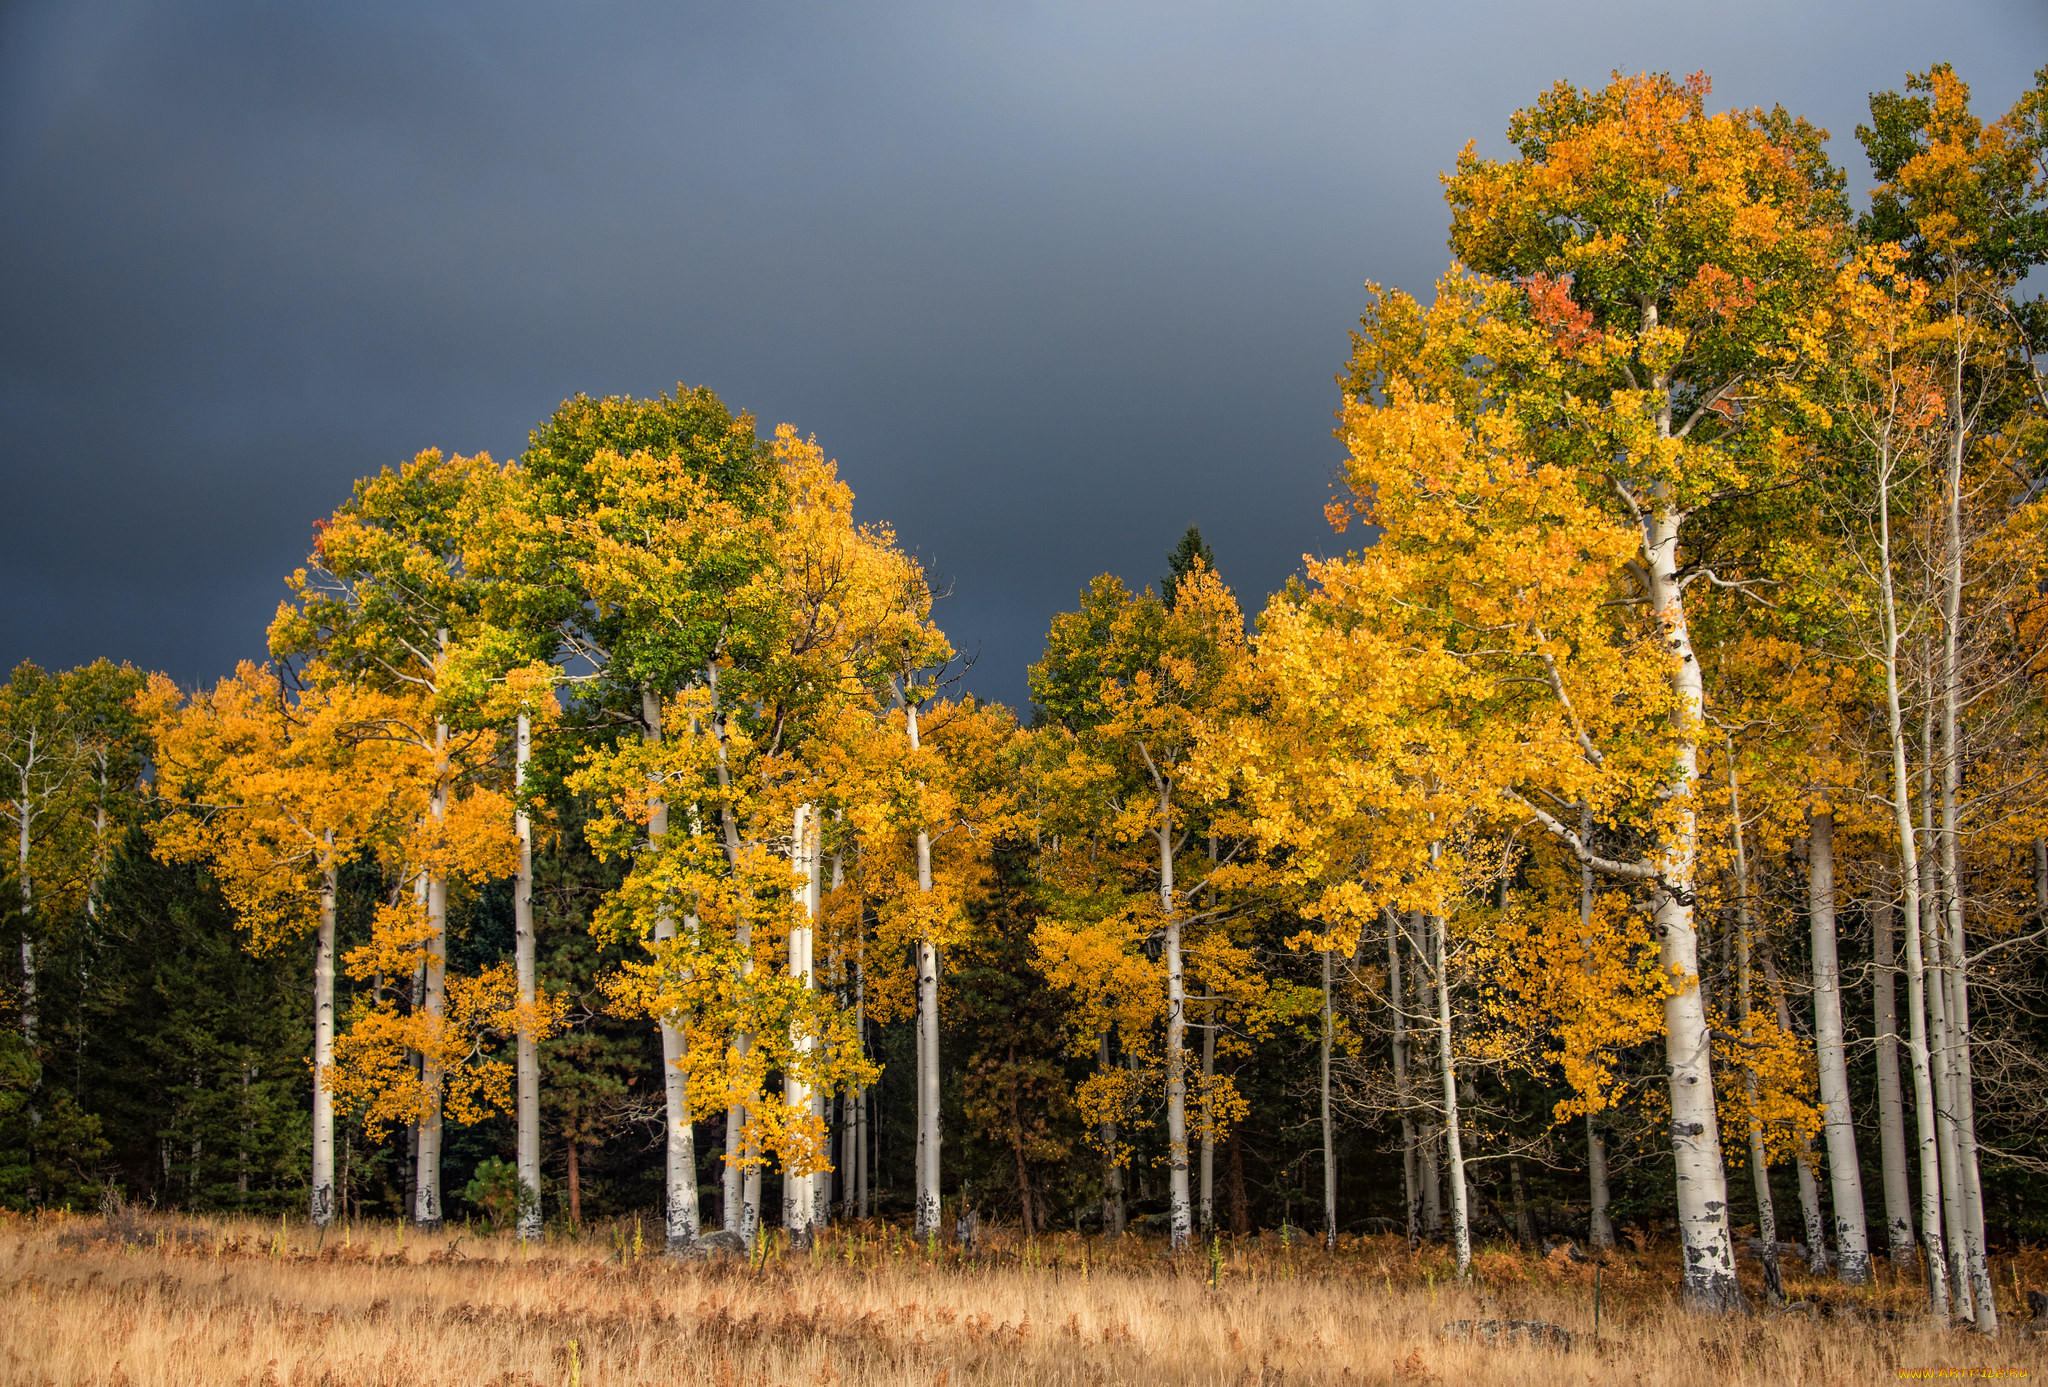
[
  {"x": 1411, "y": 1193},
  {"x": 680, "y": 1221},
  {"x": 1943, "y": 1056},
  {"x": 861, "y": 1156},
  {"x": 799, "y": 1200},
  {"x": 1179, "y": 1214},
  {"x": 1909, "y": 877},
  {"x": 1891, "y": 1125},
  {"x": 1599, "y": 1227},
  {"x": 1461, "y": 1223},
  {"x": 1329, "y": 1131},
  {"x": 426, "y": 1209},
  {"x": 927, "y": 1034},
  {"x": 1429, "y": 1140},
  {"x": 323, "y": 1200},
  {"x": 1845, "y": 1176},
  {"x": 740, "y": 1177},
  {"x": 1971, "y": 1191},
  {"x": 1702, "y": 1179},
  {"x": 1208, "y": 1168},
  {"x": 29, "y": 1013},
  {"x": 1759, "y": 1153},
  {"x": 527, "y": 1056},
  {"x": 1208, "y": 1220}
]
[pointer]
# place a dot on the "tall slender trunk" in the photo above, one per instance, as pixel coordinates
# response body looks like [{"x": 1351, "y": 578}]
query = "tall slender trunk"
[
  {"x": 680, "y": 1222},
  {"x": 426, "y": 1207},
  {"x": 1461, "y": 1223},
  {"x": 863, "y": 1164},
  {"x": 1942, "y": 1040},
  {"x": 1397, "y": 1006},
  {"x": 1972, "y": 1187},
  {"x": 799, "y": 1203},
  {"x": 527, "y": 1048},
  {"x": 322, "y": 1205},
  {"x": 1599, "y": 1227},
  {"x": 927, "y": 1033},
  {"x": 1909, "y": 876},
  {"x": 1898, "y": 1196},
  {"x": 1179, "y": 1211},
  {"x": 1208, "y": 1205},
  {"x": 1429, "y": 1140},
  {"x": 1845, "y": 1174},
  {"x": 575, "y": 1184},
  {"x": 740, "y": 1175},
  {"x": 1759, "y": 1153},
  {"x": 29, "y": 1014},
  {"x": 1702, "y": 1180},
  {"x": 1329, "y": 1132}
]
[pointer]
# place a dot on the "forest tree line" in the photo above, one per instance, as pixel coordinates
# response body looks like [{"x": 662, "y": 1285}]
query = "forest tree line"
[{"x": 1641, "y": 826}]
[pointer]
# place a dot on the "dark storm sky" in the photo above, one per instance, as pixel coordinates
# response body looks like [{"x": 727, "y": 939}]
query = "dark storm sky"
[{"x": 1051, "y": 281}]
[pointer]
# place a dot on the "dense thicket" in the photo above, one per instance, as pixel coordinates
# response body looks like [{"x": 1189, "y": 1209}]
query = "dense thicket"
[{"x": 1640, "y": 830}]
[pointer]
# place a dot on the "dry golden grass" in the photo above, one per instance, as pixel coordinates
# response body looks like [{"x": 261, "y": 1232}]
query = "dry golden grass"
[{"x": 160, "y": 1300}]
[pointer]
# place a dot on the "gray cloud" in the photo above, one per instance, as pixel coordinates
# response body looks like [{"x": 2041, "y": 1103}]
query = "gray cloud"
[{"x": 1052, "y": 281}]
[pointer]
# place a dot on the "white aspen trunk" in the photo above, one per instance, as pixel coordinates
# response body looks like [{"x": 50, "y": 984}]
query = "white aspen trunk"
[
  {"x": 322, "y": 1207},
  {"x": 1208, "y": 1188},
  {"x": 1599, "y": 1227},
  {"x": 1429, "y": 1140},
  {"x": 798, "y": 1201},
  {"x": 1179, "y": 1216},
  {"x": 1971, "y": 1192},
  {"x": 1397, "y": 998},
  {"x": 680, "y": 1220},
  {"x": 426, "y": 1209},
  {"x": 29, "y": 1016},
  {"x": 928, "y": 1192},
  {"x": 1845, "y": 1176},
  {"x": 1702, "y": 1180},
  {"x": 1329, "y": 1132},
  {"x": 1898, "y": 1197},
  {"x": 1943, "y": 1056},
  {"x": 527, "y": 1048},
  {"x": 1208, "y": 1204},
  {"x": 740, "y": 1178},
  {"x": 927, "y": 1034},
  {"x": 1461, "y": 1223},
  {"x": 1909, "y": 876},
  {"x": 1953, "y": 1217},
  {"x": 1759, "y": 1154},
  {"x": 862, "y": 1178}
]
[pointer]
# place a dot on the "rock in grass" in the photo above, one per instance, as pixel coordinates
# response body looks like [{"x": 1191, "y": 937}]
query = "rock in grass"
[{"x": 1509, "y": 1331}]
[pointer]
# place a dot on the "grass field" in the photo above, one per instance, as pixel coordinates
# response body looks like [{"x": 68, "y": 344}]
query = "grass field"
[{"x": 150, "y": 1300}]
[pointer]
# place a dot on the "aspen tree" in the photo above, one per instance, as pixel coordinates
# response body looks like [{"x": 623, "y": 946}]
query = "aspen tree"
[
  {"x": 277, "y": 790},
  {"x": 386, "y": 599},
  {"x": 1138, "y": 680},
  {"x": 1963, "y": 199},
  {"x": 1636, "y": 265}
]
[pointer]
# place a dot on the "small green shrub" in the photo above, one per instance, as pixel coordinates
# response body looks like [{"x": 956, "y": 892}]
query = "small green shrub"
[{"x": 499, "y": 1194}]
